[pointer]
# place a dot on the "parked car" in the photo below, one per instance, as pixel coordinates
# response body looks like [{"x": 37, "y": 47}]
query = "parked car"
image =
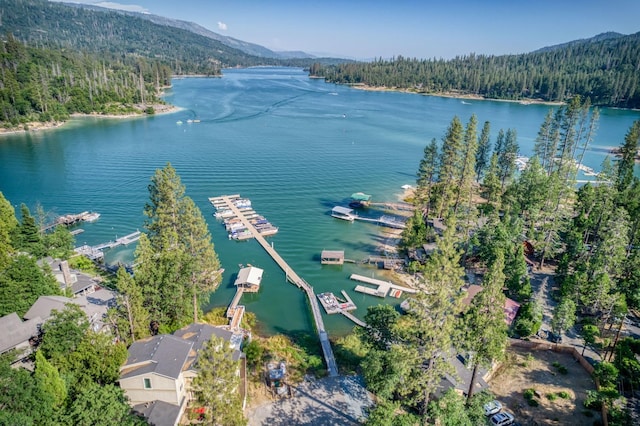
[
  {"x": 502, "y": 419},
  {"x": 555, "y": 338},
  {"x": 491, "y": 408}
]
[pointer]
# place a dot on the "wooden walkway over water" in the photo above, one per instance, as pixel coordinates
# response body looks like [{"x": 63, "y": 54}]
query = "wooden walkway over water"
[
  {"x": 291, "y": 275},
  {"x": 96, "y": 252}
]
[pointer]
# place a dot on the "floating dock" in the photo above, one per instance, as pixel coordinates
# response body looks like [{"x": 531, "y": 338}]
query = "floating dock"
[
  {"x": 383, "y": 289},
  {"x": 347, "y": 214},
  {"x": 332, "y": 305},
  {"x": 330, "y": 360},
  {"x": 72, "y": 219},
  {"x": 235, "y": 226},
  {"x": 96, "y": 252}
]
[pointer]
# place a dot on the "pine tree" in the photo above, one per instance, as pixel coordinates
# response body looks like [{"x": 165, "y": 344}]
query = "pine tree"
[
  {"x": 492, "y": 189},
  {"x": 49, "y": 380},
  {"x": 547, "y": 142},
  {"x": 484, "y": 323},
  {"x": 426, "y": 175},
  {"x": 8, "y": 226},
  {"x": 216, "y": 387},
  {"x": 450, "y": 166},
  {"x": 628, "y": 153},
  {"x": 431, "y": 323},
  {"x": 131, "y": 301},
  {"x": 468, "y": 163},
  {"x": 177, "y": 264},
  {"x": 484, "y": 151},
  {"x": 29, "y": 234}
]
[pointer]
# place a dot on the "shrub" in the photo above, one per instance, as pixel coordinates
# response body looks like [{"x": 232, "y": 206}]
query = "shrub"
[
  {"x": 529, "y": 393},
  {"x": 564, "y": 395},
  {"x": 552, "y": 396},
  {"x": 561, "y": 368}
]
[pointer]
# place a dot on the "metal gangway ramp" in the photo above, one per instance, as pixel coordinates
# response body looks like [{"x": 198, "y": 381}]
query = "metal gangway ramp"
[{"x": 291, "y": 275}]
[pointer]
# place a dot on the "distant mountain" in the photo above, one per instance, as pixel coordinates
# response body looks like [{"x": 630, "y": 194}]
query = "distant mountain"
[
  {"x": 246, "y": 47},
  {"x": 185, "y": 47},
  {"x": 595, "y": 39}
]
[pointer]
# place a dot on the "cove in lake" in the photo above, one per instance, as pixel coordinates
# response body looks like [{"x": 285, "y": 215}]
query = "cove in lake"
[{"x": 295, "y": 146}]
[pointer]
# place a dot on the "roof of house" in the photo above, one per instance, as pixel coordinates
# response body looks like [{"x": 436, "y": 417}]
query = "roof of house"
[
  {"x": 201, "y": 333},
  {"x": 510, "y": 306},
  {"x": 249, "y": 275},
  {"x": 159, "y": 413},
  {"x": 462, "y": 379},
  {"x": 164, "y": 354},
  {"x": 80, "y": 280},
  {"x": 15, "y": 332},
  {"x": 44, "y": 306}
]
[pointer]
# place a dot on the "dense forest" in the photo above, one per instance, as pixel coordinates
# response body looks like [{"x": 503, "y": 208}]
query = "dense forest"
[
  {"x": 500, "y": 225},
  {"x": 41, "y": 85},
  {"x": 605, "y": 69},
  {"x": 108, "y": 32}
]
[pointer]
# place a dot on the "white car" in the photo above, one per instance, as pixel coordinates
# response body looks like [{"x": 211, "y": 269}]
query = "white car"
[
  {"x": 502, "y": 419},
  {"x": 491, "y": 408}
]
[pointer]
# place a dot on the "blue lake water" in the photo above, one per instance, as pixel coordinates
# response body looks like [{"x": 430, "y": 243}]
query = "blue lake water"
[{"x": 295, "y": 146}]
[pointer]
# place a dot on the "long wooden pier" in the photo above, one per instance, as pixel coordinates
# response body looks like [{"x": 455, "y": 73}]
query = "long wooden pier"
[{"x": 291, "y": 275}]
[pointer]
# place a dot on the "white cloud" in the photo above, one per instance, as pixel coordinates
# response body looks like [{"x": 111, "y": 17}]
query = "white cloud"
[{"x": 222, "y": 26}]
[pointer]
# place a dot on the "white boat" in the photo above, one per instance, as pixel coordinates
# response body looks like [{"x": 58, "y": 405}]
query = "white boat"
[
  {"x": 92, "y": 217},
  {"x": 343, "y": 213},
  {"x": 179, "y": 122}
]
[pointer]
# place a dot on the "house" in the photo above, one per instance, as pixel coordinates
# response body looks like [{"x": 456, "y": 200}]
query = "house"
[
  {"x": 17, "y": 334},
  {"x": 249, "y": 279},
  {"x": 71, "y": 281},
  {"x": 157, "y": 375},
  {"x": 462, "y": 379},
  {"x": 94, "y": 305},
  {"x": 510, "y": 306}
]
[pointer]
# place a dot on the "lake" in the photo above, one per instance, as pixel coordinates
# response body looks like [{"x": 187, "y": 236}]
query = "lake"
[{"x": 295, "y": 146}]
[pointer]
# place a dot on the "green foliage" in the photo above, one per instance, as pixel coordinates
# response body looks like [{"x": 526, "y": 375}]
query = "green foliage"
[
  {"x": 626, "y": 360},
  {"x": 563, "y": 394},
  {"x": 62, "y": 333},
  {"x": 606, "y": 373},
  {"x": 529, "y": 319},
  {"x": 48, "y": 379},
  {"x": 350, "y": 351},
  {"x": 21, "y": 283},
  {"x": 380, "y": 331},
  {"x": 561, "y": 368},
  {"x": 449, "y": 410},
  {"x": 552, "y": 396},
  {"x": 387, "y": 413},
  {"x": 100, "y": 406},
  {"x": 529, "y": 393},
  {"x": 59, "y": 243},
  {"x": 215, "y": 386},
  {"x": 549, "y": 74},
  {"x": 254, "y": 353},
  {"x": 83, "y": 263}
]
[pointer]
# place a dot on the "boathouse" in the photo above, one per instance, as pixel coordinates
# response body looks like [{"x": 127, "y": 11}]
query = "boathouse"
[
  {"x": 249, "y": 279},
  {"x": 343, "y": 213},
  {"x": 332, "y": 257}
]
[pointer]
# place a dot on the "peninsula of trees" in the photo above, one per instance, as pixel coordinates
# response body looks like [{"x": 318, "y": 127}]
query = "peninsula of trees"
[{"x": 604, "y": 68}]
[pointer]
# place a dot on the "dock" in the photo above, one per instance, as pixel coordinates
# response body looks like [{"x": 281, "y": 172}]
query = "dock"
[
  {"x": 234, "y": 225},
  {"x": 347, "y": 214},
  {"x": 383, "y": 288},
  {"x": 291, "y": 276},
  {"x": 97, "y": 252},
  {"x": 71, "y": 219}
]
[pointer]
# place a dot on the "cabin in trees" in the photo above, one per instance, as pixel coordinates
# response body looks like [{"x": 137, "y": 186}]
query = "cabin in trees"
[
  {"x": 510, "y": 306},
  {"x": 157, "y": 375},
  {"x": 249, "y": 279}
]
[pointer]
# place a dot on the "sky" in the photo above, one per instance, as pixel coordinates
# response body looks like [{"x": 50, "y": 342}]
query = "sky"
[{"x": 366, "y": 29}]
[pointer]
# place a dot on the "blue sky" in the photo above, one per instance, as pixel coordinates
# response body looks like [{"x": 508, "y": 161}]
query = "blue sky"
[{"x": 423, "y": 29}]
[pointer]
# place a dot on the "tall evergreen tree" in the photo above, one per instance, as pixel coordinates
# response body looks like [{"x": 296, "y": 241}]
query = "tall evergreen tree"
[
  {"x": 507, "y": 157},
  {"x": 468, "y": 163},
  {"x": 628, "y": 154},
  {"x": 8, "y": 226},
  {"x": 450, "y": 166},
  {"x": 547, "y": 142},
  {"x": 484, "y": 324},
  {"x": 431, "y": 323},
  {"x": 483, "y": 154},
  {"x": 29, "y": 234},
  {"x": 216, "y": 386},
  {"x": 177, "y": 264},
  {"x": 426, "y": 175}
]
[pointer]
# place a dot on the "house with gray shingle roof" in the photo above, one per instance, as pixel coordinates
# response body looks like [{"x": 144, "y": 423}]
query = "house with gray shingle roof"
[
  {"x": 157, "y": 375},
  {"x": 17, "y": 334}
]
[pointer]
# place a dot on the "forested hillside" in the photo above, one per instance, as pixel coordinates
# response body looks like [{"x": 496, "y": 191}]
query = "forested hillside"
[
  {"x": 605, "y": 69},
  {"x": 42, "y": 85},
  {"x": 104, "y": 31}
]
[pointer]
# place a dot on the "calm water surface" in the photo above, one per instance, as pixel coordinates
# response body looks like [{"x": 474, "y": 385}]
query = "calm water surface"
[{"x": 295, "y": 146}]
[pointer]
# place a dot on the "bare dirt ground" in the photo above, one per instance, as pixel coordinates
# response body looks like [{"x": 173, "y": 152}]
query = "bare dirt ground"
[
  {"x": 329, "y": 401},
  {"x": 535, "y": 370}
]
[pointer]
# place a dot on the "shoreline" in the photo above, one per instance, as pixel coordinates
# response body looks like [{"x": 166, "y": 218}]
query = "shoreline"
[
  {"x": 453, "y": 95},
  {"x": 36, "y": 126}
]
